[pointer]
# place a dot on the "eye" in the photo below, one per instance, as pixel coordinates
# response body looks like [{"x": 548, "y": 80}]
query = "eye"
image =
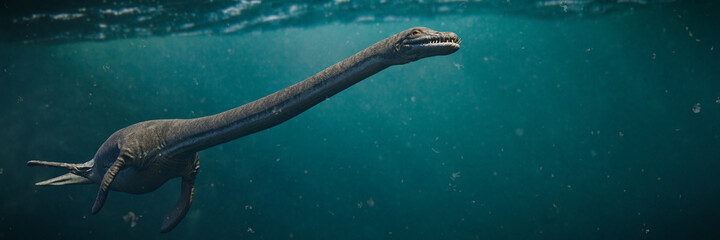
[{"x": 415, "y": 33}]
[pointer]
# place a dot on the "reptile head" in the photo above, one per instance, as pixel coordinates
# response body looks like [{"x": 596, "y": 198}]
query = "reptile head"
[{"x": 422, "y": 42}]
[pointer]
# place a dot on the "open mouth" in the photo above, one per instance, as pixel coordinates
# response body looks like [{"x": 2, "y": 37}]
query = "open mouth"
[{"x": 440, "y": 40}]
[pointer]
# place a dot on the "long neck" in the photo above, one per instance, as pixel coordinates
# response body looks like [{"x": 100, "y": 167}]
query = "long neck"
[{"x": 193, "y": 135}]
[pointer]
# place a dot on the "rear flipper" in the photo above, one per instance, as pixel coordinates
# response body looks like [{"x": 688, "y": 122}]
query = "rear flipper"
[{"x": 77, "y": 175}]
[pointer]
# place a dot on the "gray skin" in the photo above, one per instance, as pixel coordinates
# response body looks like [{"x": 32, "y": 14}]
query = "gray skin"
[{"x": 143, "y": 156}]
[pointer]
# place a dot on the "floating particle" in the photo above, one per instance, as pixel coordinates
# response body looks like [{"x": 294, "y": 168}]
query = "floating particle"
[
  {"x": 132, "y": 218},
  {"x": 455, "y": 175},
  {"x": 696, "y": 108},
  {"x": 458, "y": 66},
  {"x": 370, "y": 202},
  {"x": 1, "y": 171}
]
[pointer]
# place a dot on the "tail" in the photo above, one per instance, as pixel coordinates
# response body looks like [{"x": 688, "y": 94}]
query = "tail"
[{"x": 77, "y": 174}]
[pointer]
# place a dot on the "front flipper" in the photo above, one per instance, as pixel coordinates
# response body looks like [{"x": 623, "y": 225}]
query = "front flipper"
[
  {"x": 105, "y": 184},
  {"x": 181, "y": 207},
  {"x": 187, "y": 188}
]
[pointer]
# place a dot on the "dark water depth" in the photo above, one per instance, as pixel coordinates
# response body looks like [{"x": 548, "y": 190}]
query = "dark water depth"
[{"x": 602, "y": 127}]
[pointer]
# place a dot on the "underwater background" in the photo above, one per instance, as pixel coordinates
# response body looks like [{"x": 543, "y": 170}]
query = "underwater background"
[{"x": 575, "y": 119}]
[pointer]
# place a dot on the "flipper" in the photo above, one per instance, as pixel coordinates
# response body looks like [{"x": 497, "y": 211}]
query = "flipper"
[
  {"x": 38, "y": 163},
  {"x": 65, "y": 179},
  {"x": 187, "y": 188},
  {"x": 77, "y": 174},
  {"x": 182, "y": 206},
  {"x": 105, "y": 184}
]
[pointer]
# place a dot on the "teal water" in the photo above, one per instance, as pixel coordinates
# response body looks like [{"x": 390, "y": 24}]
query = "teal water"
[{"x": 600, "y": 127}]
